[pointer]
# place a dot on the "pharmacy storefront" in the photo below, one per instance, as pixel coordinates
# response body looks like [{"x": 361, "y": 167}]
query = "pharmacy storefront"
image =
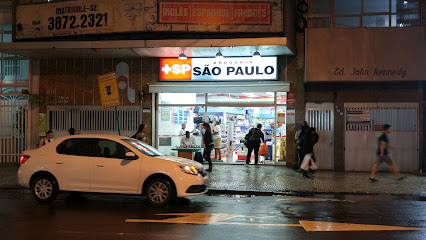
[{"x": 237, "y": 93}]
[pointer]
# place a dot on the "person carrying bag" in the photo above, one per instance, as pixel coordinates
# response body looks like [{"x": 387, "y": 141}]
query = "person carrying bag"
[
  {"x": 263, "y": 151},
  {"x": 255, "y": 135}
]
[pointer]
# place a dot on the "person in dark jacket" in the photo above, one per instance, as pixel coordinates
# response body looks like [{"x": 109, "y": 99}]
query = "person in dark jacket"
[
  {"x": 310, "y": 138},
  {"x": 208, "y": 144},
  {"x": 299, "y": 137},
  {"x": 255, "y": 135}
]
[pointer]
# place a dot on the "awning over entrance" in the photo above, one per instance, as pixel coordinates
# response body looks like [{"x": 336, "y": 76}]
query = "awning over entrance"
[
  {"x": 239, "y": 47},
  {"x": 219, "y": 87}
]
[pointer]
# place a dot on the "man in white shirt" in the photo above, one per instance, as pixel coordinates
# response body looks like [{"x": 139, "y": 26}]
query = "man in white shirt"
[
  {"x": 182, "y": 131},
  {"x": 187, "y": 140},
  {"x": 217, "y": 141}
]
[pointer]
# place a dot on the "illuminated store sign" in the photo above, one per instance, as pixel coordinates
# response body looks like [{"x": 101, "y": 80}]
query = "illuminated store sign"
[{"x": 212, "y": 69}]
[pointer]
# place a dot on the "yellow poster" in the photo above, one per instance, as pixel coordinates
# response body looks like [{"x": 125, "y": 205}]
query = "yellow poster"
[{"x": 109, "y": 90}]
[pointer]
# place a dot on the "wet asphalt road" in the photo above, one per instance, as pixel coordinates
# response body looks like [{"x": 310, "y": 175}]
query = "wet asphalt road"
[{"x": 94, "y": 216}]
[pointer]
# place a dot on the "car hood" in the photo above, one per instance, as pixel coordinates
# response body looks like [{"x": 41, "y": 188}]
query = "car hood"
[{"x": 181, "y": 160}]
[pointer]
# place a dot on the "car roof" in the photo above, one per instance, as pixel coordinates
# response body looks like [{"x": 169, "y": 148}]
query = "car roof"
[{"x": 104, "y": 136}]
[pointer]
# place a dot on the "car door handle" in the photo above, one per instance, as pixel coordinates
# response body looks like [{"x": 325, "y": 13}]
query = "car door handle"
[
  {"x": 98, "y": 165},
  {"x": 59, "y": 163}
]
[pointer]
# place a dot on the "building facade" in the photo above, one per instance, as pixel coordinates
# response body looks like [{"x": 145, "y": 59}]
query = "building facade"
[
  {"x": 70, "y": 44},
  {"x": 365, "y": 67},
  {"x": 347, "y": 67}
]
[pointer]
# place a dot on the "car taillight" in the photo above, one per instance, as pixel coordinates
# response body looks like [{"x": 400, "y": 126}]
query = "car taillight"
[{"x": 23, "y": 159}]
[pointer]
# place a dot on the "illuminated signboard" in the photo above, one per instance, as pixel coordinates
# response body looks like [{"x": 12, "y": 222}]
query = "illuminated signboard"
[
  {"x": 213, "y": 69},
  {"x": 212, "y": 12}
]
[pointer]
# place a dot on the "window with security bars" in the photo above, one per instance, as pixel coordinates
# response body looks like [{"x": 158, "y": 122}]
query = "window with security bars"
[
  {"x": 94, "y": 120},
  {"x": 363, "y": 13},
  {"x": 320, "y": 119}
]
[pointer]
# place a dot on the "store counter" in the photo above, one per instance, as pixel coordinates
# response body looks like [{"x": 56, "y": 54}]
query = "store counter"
[{"x": 186, "y": 152}]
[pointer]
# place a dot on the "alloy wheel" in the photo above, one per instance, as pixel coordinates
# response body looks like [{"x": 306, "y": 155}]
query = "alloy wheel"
[
  {"x": 158, "y": 192},
  {"x": 43, "y": 189}
]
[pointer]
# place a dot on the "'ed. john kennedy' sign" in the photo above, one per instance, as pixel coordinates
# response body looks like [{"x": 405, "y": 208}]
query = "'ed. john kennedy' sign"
[{"x": 213, "y": 69}]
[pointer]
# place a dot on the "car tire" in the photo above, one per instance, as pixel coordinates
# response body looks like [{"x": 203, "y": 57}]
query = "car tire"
[
  {"x": 44, "y": 188},
  {"x": 159, "y": 192}
]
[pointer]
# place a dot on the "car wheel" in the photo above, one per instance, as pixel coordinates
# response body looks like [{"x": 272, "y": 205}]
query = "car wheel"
[
  {"x": 159, "y": 192},
  {"x": 44, "y": 188}
]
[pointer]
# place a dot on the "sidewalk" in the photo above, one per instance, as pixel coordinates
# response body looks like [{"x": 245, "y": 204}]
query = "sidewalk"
[{"x": 279, "y": 179}]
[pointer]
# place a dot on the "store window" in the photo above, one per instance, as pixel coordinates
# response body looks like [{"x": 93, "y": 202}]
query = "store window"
[
  {"x": 174, "y": 121},
  {"x": 234, "y": 114}
]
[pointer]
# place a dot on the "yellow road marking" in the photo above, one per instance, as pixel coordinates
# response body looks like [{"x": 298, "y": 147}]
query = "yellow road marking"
[
  {"x": 309, "y": 226},
  {"x": 207, "y": 218},
  {"x": 315, "y": 226}
]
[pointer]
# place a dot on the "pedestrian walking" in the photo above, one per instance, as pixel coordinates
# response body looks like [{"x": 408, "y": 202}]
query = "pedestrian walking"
[
  {"x": 298, "y": 138},
  {"x": 47, "y": 139},
  {"x": 310, "y": 138},
  {"x": 208, "y": 144},
  {"x": 254, "y": 137},
  {"x": 217, "y": 141},
  {"x": 383, "y": 155}
]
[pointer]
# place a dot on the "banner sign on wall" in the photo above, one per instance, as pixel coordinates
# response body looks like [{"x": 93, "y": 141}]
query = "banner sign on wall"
[
  {"x": 71, "y": 18},
  {"x": 64, "y": 18},
  {"x": 212, "y": 12},
  {"x": 213, "y": 69},
  {"x": 109, "y": 90},
  {"x": 358, "y": 116}
]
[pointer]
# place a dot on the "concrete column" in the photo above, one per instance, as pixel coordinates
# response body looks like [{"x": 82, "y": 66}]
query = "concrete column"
[
  {"x": 296, "y": 77},
  {"x": 339, "y": 132},
  {"x": 33, "y": 108}
]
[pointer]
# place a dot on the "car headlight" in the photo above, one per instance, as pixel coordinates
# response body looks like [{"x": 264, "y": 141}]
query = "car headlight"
[{"x": 188, "y": 169}]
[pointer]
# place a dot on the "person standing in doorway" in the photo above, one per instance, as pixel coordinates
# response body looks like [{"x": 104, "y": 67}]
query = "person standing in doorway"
[
  {"x": 383, "y": 155},
  {"x": 182, "y": 130},
  {"x": 217, "y": 141},
  {"x": 208, "y": 144},
  {"x": 47, "y": 139},
  {"x": 269, "y": 137},
  {"x": 255, "y": 136}
]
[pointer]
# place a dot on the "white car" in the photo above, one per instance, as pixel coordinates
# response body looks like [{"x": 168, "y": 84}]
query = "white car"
[{"x": 109, "y": 164}]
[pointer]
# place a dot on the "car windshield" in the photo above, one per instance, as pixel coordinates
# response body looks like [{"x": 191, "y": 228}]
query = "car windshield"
[{"x": 144, "y": 148}]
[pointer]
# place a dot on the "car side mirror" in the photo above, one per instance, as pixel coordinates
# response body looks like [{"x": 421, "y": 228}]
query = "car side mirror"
[{"x": 130, "y": 156}]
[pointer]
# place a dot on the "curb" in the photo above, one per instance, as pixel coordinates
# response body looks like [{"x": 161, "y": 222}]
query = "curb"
[{"x": 309, "y": 194}]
